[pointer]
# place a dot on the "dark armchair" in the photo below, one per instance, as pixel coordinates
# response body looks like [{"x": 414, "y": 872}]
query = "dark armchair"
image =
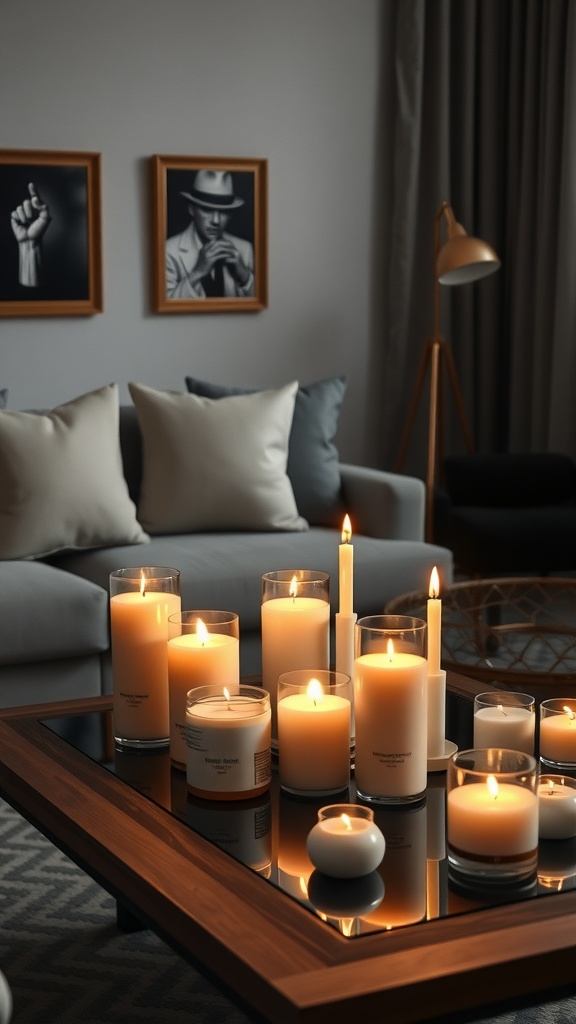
[{"x": 508, "y": 513}]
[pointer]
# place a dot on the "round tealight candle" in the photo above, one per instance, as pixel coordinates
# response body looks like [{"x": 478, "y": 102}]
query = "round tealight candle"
[
  {"x": 557, "y": 807},
  {"x": 345, "y": 842}
]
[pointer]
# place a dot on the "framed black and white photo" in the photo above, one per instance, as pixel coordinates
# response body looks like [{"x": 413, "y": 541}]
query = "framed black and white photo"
[
  {"x": 209, "y": 234},
  {"x": 50, "y": 233}
]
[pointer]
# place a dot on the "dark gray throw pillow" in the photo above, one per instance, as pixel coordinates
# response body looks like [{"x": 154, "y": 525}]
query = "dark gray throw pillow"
[{"x": 312, "y": 454}]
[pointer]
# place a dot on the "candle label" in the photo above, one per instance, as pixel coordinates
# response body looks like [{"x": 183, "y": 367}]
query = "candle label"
[{"x": 229, "y": 760}]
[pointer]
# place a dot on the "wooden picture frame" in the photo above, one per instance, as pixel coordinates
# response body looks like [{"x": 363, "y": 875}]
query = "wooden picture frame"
[
  {"x": 50, "y": 233},
  {"x": 216, "y": 204}
]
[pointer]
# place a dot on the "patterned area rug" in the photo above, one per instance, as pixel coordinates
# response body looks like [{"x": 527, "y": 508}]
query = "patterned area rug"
[{"x": 67, "y": 962}]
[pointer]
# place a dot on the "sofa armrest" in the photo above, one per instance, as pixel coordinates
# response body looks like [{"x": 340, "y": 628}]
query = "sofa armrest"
[{"x": 383, "y": 504}]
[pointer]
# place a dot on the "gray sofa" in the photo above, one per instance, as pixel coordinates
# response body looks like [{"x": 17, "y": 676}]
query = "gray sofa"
[{"x": 54, "y": 635}]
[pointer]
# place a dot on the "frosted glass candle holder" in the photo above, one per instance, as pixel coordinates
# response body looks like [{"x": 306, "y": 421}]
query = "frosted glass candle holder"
[
  {"x": 203, "y": 649},
  {"x": 558, "y": 733},
  {"x": 492, "y": 814},
  {"x": 390, "y": 708},
  {"x": 314, "y": 712},
  {"x": 142, "y": 599},
  {"x": 504, "y": 719}
]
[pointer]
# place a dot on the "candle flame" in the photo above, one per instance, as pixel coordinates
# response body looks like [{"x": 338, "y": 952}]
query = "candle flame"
[
  {"x": 492, "y": 785},
  {"x": 346, "y": 530},
  {"x": 390, "y": 649},
  {"x": 569, "y": 712},
  {"x": 550, "y": 790},
  {"x": 501, "y": 710},
  {"x": 201, "y": 632},
  {"x": 142, "y": 584},
  {"x": 293, "y": 587},
  {"x": 346, "y": 822},
  {"x": 227, "y": 696},
  {"x": 434, "y": 590},
  {"x": 314, "y": 690}
]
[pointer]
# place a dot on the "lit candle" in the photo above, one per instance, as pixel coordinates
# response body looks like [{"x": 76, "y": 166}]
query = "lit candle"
[
  {"x": 557, "y": 807},
  {"x": 313, "y": 738},
  {"x": 197, "y": 658},
  {"x": 346, "y": 569},
  {"x": 434, "y": 623},
  {"x": 558, "y": 733},
  {"x": 228, "y": 742},
  {"x": 345, "y": 842},
  {"x": 504, "y": 726},
  {"x": 139, "y": 635},
  {"x": 295, "y": 629},
  {"x": 491, "y": 820},
  {"x": 390, "y": 710}
]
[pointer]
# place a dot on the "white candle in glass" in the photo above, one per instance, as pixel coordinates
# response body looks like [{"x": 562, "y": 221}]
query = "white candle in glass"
[
  {"x": 504, "y": 726},
  {"x": 492, "y": 819},
  {"x": 557, "y": 807},
  {"x": 313, "y": 739}
]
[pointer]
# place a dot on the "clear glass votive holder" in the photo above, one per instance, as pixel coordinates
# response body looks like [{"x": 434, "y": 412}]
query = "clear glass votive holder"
[
  {"x": 142, "y": 599},
  {"x": 203, "y": 649},
  {"x": 558, "y": 733},
  {"x": 492, "y": 817},
  {"x": 503, "y": 718},
  {"x": 345, "y": 842},
  {"x": 295, "y": 620},
  {"x": 390, "y": 709},
  {"x": 314, "y": 714},
  {"x": 228, "y": 742}
]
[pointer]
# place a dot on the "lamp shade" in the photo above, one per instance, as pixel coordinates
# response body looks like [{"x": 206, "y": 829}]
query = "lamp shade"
[{"x": 463, "y": 258}]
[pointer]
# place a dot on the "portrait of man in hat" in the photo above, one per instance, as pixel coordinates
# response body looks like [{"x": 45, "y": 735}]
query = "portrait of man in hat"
[{"x": 205, "y": 260}]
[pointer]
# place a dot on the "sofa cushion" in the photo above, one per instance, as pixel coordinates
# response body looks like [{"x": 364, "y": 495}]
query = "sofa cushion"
[
  {"x": 215, "y": 465},
  {"x": 312, "y": 454},
  {"x": 3, "y": 398},
  {"x": 62, "y": 480},
  {"x": 48, "y": 614}
]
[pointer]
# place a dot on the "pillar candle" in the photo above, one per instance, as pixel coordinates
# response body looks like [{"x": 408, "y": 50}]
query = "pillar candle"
[
  {"x": 139, "y": 635},
  {"x": 390, "y": 709},
  {"x": 197, "y": 659},
  {"x": 295, "y": 634},
  {"x": 228, "y": 742},
  {"x": 558, "y": 737},
  {"x": 314, "y": 741},
  {"x": 491, "y": 820},
  {"x": 510, "y": 727}
]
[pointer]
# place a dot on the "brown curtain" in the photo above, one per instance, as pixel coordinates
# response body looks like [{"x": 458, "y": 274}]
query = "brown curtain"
[{"x": 478, "y": 107}]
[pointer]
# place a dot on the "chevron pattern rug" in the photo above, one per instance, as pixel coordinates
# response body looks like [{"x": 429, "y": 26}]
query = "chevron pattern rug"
[{"x": 67, "y": 962}]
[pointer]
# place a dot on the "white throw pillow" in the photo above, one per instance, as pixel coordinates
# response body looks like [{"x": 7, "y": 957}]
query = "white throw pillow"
[
  {"x": 62, "y": 480},
  {"x": 216, "y": 464}
]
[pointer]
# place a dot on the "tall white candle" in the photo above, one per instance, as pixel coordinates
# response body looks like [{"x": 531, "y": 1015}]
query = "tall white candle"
[
  {"x": 139, "y": 635},
  {"x": 434, "y": 623},
  {"x": 314, "y": 740},
  {"x": 346, "y": 569},
  {"x": 390, "y": 709},
  {"x": 201, "y": 658}
]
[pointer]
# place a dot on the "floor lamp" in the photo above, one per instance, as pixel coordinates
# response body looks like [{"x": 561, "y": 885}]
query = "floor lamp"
[{"x": 460, "y": 260}]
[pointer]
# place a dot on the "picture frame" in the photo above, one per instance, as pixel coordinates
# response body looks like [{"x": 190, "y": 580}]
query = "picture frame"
[
  {"x": 209, "y": 234},
  {"x": 50, "y": 233}
]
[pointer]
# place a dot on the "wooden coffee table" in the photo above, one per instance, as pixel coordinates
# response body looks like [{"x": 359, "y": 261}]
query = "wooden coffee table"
[{"x": 277, "y": 958}]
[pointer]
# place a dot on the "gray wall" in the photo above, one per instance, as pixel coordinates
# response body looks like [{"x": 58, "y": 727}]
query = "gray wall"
[{"x": 292, "y": 81}]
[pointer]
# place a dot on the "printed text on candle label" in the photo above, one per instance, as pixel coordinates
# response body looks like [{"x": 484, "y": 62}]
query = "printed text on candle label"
[{"x": 391, "y": 760}]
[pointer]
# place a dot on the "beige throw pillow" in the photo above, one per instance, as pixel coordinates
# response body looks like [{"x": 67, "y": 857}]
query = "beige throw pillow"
[
  {"x": 62, "y": 480},
  {"x": 216, "y": 464}
]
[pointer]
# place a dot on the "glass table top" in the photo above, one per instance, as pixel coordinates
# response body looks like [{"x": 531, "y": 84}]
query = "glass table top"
[{"x": 268, "y": 835}]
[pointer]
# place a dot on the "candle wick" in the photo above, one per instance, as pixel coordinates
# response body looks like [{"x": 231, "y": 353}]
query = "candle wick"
[{"x": 501, "y": 710}]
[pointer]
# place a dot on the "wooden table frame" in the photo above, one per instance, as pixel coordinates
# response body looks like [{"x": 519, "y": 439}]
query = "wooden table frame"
[{"x": 278, "y": 959}]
